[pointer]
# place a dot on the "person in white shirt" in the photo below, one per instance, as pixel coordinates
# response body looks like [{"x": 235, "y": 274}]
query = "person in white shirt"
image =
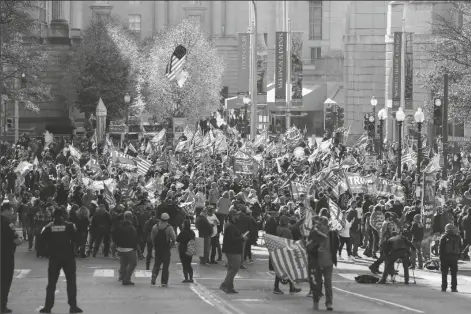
[
  {"x": 215, "y": 244},
  {"x": 345, "y": 239},
  {"x": 200, "y": 201}
]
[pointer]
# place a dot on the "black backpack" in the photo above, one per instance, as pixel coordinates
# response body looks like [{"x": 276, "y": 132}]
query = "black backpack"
[
  {"x": 161, "y": 243},
  {"x": 366, "y": 279}
]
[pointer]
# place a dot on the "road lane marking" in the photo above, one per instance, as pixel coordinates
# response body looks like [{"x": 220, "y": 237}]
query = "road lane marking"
[
  {"x": 103, "y": 273},
  {"x": 223, "y": 306},
  {"x": 143, "y": 273},
  {"x": 21, "y": 273},
  {"x": 248, "y": 300},
  {"x": 379, "y": 300},
  {"x": 238, "y": 279}
]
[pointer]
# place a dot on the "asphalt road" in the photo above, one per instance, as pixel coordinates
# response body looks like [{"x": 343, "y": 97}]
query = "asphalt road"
[{"x": 100, "y": 292}]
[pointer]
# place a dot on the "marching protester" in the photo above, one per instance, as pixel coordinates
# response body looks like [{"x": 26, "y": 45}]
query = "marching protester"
[
  {"x": 450, "y": 248},
  {"x": 125, "y": 237},
  {"x": 163, "y": 239},
  {"x": 186, "y": 250}
]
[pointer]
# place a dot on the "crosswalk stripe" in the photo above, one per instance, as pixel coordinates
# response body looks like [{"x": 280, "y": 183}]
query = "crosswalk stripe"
[
  {"x": 103, "y": 273},
  {"x": 143, "y": 273},
  {"x": 21, "y": 273},
  {"x": 348, "y": 276}
]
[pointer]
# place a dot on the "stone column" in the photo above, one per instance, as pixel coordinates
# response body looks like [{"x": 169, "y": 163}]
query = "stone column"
[
  {"x": 160, "y": 15},
  {"x": 59, "y": 27},
  {"x": 76, "y": 22},
  {"x": 216, "y": 18}
]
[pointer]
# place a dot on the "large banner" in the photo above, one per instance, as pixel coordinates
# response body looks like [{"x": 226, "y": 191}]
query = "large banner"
[
  {"x": 244, "y": 164},
  {"x": 409, "y": 72},
  {"x": 296, "y": 69},
  {"x": 280, "y": 67},
  {"x": 244, "y": 63},
  {"x": 428, "y": 203},
  {"x": 396, "y": 75},
  {"x": 262, "y": 60}
]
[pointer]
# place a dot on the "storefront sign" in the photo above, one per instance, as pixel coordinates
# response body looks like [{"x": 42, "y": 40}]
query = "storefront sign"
[{"x": 296, "y": 69}]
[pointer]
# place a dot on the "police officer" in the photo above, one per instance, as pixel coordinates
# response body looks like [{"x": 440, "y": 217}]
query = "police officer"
[{"x": 60, "y": 238}]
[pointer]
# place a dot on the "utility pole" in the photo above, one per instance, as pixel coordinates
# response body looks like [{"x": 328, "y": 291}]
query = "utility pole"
[
  {"x": 445, "y": 126},
  {"x": 253, "y": 86}
]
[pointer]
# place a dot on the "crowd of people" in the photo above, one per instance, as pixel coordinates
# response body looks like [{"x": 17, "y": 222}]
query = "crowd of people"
[{"x": 134, "y": 204}]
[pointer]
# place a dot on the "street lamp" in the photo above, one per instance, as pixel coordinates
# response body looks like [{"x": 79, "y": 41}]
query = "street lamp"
[
  {"x": 400, "y": 116},
  {"x": 127, "y": 100},
  {"x": 419, "y": 119},
  {"x": 438, "y": 124},
  {"x": 382, "y": 115}
]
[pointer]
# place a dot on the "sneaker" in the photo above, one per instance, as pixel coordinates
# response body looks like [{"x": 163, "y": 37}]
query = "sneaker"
[
  {"x": 191, "y": 281},
  {"x": 232, "y": 291},
  {"x": 164, "y": 285},
  {"x": 295, "y": 290},
  {"x": 185, "y": 281},
  {"x": 454, "y": 290},
  {"x": 7, "y": 310},
  {"x": 330, "y": 308},
  {"x": 443, "y": 290},
  {"x": 278, "y": 291},
  {"x": 222, "y": 287},
  {"x": 44, "y": 310},
  {"x": 358, "y": 256},
  {"x": 75, "y": 309},
  {"x": 128, "y": 283}
]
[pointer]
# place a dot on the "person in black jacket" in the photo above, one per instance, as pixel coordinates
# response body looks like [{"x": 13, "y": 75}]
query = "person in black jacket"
[
  {"x": 450, "y": 248},
  {"x": 125, "y": 236},
  {"x": 270, "y": 228},
  {"x": 205, "y": 229},
  {"x": 60, "y": 237},
  {"x": 101, "y": 227},
  {"x": 9, "y": 241},
  {"x": 397, "y": 247},
  {"x": 148, "y": 225},
  {"x": 183, "y": 238}
]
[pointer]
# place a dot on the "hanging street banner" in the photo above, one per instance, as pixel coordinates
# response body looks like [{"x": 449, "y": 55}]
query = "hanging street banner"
[
  {"x": 262, "y": 61},
  {"x": 409, "y": 72},
  {"x": 244, "y": 64},
  {"x": 280, "y": 67},
  {"x": 296, "y": 69},
  {"x": 396, "y": 68}
]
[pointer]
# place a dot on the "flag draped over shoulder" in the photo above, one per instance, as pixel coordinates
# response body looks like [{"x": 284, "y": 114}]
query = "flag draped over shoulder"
[
  {"x": 289, "y": 258},
  {"x": 174, "y": 70}
]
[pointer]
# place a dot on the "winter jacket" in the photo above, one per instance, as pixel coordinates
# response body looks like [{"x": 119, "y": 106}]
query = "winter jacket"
[
  {"x": 125, "y": 235},
  {"x": 205, "y": 229},
  {"x": 232, "y": 241}
]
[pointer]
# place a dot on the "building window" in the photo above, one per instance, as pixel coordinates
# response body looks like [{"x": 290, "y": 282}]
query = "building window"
[
  {"x": 195, "y": 18},
  {"x": 134, "y": 2},
  {"x": 315, "y": 20},
  {"x": 315, "y": 53},
  {"x": 135, "y": 23},
  {"x": 43, "y": 11}
]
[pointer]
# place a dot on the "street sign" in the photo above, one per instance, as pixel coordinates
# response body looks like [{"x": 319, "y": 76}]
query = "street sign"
[{"x": 370, "y": 162}]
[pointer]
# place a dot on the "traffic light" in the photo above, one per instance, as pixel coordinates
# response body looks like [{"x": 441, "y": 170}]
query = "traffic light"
[
  {"x": 366, "y": 122},
  {"x": 23, "y": 80},
  {"x": 9, "y": 125},
  {"x": 340, "y": 117},
  {"x": 329, "y": 121},
  {"x": 437, "y": 112}
]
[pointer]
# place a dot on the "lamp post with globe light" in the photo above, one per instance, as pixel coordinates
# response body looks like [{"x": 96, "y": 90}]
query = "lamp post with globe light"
[
  {"x": 382, "y": 116},
  {"x": 400, "y": 116},
  {"x": 127, "y": 100},
  {"x": 419, "y": 119}
]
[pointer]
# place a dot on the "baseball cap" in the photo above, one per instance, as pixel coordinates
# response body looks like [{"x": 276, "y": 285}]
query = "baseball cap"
[{"x": 164, "y": 217}]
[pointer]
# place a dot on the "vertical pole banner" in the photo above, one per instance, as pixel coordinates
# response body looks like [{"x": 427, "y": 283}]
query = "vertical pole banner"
[
  {"x": 280, "y": 67},
  {"x": 396, "y": 84},
  {"x": 409, "y": 75},
  {"x": 297, "y": 69},
  {"x": 244, "y": 63},
  {"x": 262, "y": 60}
]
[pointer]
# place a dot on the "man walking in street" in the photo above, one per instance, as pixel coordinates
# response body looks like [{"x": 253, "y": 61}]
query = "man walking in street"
[
  {"x": 232, "y": 247},
  {"x": 9, "y": 241},
  {"x": 125, "y": 236},
  {"x": 449, "y": 254},
  {"x": 163, "y": 238}
]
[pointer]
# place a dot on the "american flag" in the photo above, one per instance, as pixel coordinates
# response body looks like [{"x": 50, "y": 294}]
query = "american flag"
[
  {"x": 289, "y": 258},
  {"x": 188, "y": 133},
  {"x": 175, "y": 66},
  {"x": 142, "y": 166},
  {"x": 349, "y": 162},
  {"x": 306, "y": 227},
  {"x": 108, "y": 196}
]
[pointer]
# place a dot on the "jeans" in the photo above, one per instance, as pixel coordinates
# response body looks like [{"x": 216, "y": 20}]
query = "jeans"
[
  {"x": 452, "y": 265},
  {"x": 82, "y": 243},
  {"x": 150, "y": 247},
  {"x": 233, "y": 266},
  {"x": 248, "y": 250},
  {"x": 323, "y": 275},
  {"x": 402, "y": 254},
  {"x": 186, "y": 265},
  {"x": 127, "y": 264},
  {"x": 417, "y": 254},
  {"x": 207, "y": 248},
  {"x": 355, "y": 239},
  {"x": 105, "y": 236},
  {"x": 6, "y": 276},
  {"x": 215, "y": 247},
  {"x": 378, "y": 262},
  {"x": 242, "y": 256},
  {"x": 376, "y": 243},
  {"x": 53, "y": 272},
  {"x": 161, "y": 259},
  {"x": 348, "y": 243}
]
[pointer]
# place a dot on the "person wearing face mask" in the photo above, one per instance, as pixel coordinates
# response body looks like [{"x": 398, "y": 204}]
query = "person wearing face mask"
[
  {"x": 61, "y": 237},
  {"x": 232, "y": 247}
]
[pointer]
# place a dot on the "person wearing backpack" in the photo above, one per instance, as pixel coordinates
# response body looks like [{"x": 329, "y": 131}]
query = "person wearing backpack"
[
  {"x": 125, "y": 236},
  {"x": 450, "y": 244},
  {"x": 186, "y": 250},
  {"x": 146, "y": 234},
  {"x": 163, "y": 238}
]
